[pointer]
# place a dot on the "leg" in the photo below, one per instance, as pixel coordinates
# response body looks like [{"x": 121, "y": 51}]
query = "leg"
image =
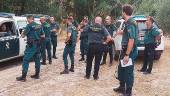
[
  {"x": 43, "y": 52},
  {"x": 90, "y": 56},
  {"x": 27, "y": 57},
  {"x": 105, "y": 51},
  {"x": 121, "y": 77},
  {"x": 65, "y": 54},
  {"x": 145, "y": 63},
  {"x": 71, "y": 54},
  {"x": 111, "y": 54},
  {"x": 82, "y": 50},
  {"x": 54, "y": 43},
  {"x": 48, "y": 47},
  {"x": 104, "y": 58},
  {"x": 129, "y": 79},
  {"x": 37, "y": 66},
  {"x": 98, "y": 55},
  {"x": 151, "y": 58}
]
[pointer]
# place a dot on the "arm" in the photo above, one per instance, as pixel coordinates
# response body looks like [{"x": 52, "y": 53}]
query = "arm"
[
  {"x": 69, "y": 31},
  {"x": 78, "y": 36},
  {"x": 42, "y": 34},
  {"x": 131, "y": 32},
  {"x": 107, "y": 35},
  {"x": 25, "y": 31},
  {"x": 68, "y": 36}
]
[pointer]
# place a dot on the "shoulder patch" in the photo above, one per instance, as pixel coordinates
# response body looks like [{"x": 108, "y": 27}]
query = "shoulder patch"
[
  {"x": 95, "y": 29},
  {"x": 73, "y": 27}
]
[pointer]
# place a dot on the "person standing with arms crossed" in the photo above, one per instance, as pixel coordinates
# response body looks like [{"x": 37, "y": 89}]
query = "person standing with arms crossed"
[
  {"x": 46, "y": 43},
  {"x": 150, "y": 44},
  {"x": 54, "y": 32}
]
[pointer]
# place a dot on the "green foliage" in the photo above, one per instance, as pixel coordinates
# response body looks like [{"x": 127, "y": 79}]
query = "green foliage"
[
  {"x": 160, "y": 9},
  {"x": 163, "y": 16}
]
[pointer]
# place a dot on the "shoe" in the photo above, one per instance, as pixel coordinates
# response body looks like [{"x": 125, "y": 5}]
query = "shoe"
[
  {"x": 72, "y": 70},
  {"x": 43, "y": 63},
  {"x": 110, "y": 65},
  {"x": 146, "y": 72},
  {"x": 96, "y": 78},
  {"x": 21, "y": 78},
  {"x": 103, "y": 63},
  {"x": 55, "y": 57},
  {"x": 119, "y": 89},
  {"x": 82, "y": 59},
  {"x": 141, "y": 70},
  {"x": 35, "y": 76},
  {"x": 128, "y": 92},
  {"x": 66, "y": 71},
  {"x": 50, "y": 62},
  {"x": 87, "y": 77}
]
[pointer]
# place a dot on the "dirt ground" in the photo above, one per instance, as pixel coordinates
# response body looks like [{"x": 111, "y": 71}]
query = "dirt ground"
[{"x": 74, "y": 84}]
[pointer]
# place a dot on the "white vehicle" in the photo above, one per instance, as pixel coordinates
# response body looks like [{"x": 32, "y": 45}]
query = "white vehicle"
[
  {"x": 140, "y": 19},
  {"x": 9, "y": 44},
  {"x": 13, "y": 45}
]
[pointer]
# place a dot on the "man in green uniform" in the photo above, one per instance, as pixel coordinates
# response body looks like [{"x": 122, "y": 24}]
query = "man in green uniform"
[
  {"x": 129, "y": 51},
  {"x": 69, "y": 49},
  {"x": 74, "y": 22},
  {"x": 34, "y": 33},
  {"x": 83, "y": 38},
  {"x": 46, "y": 44},
  {"x": 150, "y": 45},
  {"x": 54, "y": 31}
]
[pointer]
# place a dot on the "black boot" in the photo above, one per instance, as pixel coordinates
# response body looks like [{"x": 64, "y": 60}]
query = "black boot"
[
  {"x": 104, "y": 62},
  {"x": 36, "y": 75},
  {"x": 55, "y": 57},
  {"x": 82, "y": 59},
  {"x": 121, "y": 88},
  {"x": 65, "y": 71},
  {"x": 72, "y": 68},
  {"x": 23, "y": 77},
  {"x": 44, "y": 62},
  {"x": 50, "y": 61},
  {"x": 128, "y": 92}
]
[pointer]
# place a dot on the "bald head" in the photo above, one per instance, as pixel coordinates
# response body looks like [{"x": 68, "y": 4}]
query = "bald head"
[
  {"x": 42, "y": 19},
  {"x": 98, "y": 20}
]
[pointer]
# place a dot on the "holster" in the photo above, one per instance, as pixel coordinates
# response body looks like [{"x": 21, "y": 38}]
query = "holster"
[{"x": 69, "y": 42}]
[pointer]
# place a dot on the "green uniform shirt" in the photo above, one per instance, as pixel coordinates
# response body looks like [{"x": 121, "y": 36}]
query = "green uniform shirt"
[
  {"x": 33, "y": 31},
  {"x": 130, "y": 32},
  {"x": 46, "y": 29},
  {"x": 56, "y": 26},
  {"x": 72, "y": 29},
  {"x": 150, "y": 35}
]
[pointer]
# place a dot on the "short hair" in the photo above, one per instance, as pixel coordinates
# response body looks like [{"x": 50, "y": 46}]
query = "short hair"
[
  {"x": 128, "y": 9},
  {"x": 151, "y": 19},
  {"x": 30, "y": 16}
]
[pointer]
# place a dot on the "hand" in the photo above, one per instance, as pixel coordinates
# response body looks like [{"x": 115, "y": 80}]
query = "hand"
[
  {"x": 54, "y": 30},
  {"x": 126, "y": 59},
  {"x": 119, "y": 32},
  {"x": 104, "y": 43}
]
